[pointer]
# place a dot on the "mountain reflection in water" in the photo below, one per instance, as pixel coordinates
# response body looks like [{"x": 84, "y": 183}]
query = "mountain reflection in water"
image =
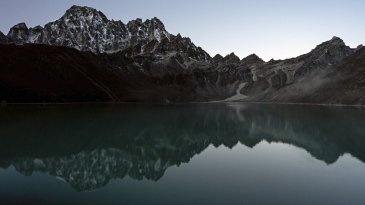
[{"x": 87, "y": 146}]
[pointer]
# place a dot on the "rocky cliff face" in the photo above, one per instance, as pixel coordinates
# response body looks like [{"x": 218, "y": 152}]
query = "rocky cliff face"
[
  {"x": 275, "y": 75},
  {"x": 3, "y": 39},
  {"x": 87, "y": 29},
  {"x": 320, "y": 58},
  {"x": 343, "y": 83}
]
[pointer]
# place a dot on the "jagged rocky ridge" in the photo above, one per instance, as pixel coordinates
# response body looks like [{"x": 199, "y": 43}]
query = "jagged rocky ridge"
[
  {"x": 87, "y": 29},
  {"x": 157, "y": 66},
  {"x": 3, "y": 38},
  {"x": 143, "y": 141}
]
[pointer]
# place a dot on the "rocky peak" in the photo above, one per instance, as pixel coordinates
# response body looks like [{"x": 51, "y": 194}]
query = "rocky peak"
[
  {"x": 21, "y": 26},
  {"x": 85, "y": 29},
  {"x": 3, "y": 38},
  {"x": 359, "y": 47},
  {"x": 329, "y": 52},
  {"x": 272, "y": 61},
  {"x": 179, "y": 36},
  {"x": 83, "y": 11},
  {"x": 336, "y": 40},
  {"x": 252, "y": 56},
  {"x": 156, "y": 23},
  {"x": 335, "y": 43},
  {"x": 217, "y": 58},
  {"x": 37, "y": 28},
  {"x": 133, "y": 25},
  {"x": 181, "y": 44},
  {"x": 19, "y": 33},
  {"x": 151, "y": 29},
  {"x": 251, "y": 59},
  {"x": 83, "y": 16},
  {"x": 231, "y": 58},
  {"x": 323, "y": 56},
  {"x": 187, "y": 41}
]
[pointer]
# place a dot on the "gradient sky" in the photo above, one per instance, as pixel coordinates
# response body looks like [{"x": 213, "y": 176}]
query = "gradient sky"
[{"x": 271, "y": 29}]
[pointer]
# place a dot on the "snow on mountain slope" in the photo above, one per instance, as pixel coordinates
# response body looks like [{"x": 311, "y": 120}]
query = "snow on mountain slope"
[{"x": 88, "y": 29}]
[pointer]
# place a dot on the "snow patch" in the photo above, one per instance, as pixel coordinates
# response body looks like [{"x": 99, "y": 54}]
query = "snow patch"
[
  {"x": 157, "y": 35},
  {"x": 238, "y": 95}
]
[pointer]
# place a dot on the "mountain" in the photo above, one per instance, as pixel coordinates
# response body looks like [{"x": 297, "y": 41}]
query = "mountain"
[
  {"x": 87, "y": 29},
  {"x": 320, "y": 58},
  {"x": 321, "y": 76},
  {"x": 341, "y": 84},
  {"x": 252, "y": 60},
  {"x": 141, "y": 62}
]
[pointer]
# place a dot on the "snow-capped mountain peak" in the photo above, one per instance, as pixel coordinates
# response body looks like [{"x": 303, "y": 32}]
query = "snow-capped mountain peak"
[{"x": 87, "y": 29}]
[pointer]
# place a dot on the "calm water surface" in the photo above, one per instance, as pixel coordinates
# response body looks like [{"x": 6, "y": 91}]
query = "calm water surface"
[{"x": 182, "y": 154}]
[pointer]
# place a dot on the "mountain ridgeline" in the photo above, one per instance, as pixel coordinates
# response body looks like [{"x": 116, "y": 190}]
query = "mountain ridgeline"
[{"x": 85, "y": 57}]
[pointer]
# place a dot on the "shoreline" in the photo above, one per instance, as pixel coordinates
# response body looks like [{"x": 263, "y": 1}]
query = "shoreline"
[{"x": 180, "y": 103}]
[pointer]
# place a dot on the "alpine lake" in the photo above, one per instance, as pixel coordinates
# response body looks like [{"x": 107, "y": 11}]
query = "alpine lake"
[{"x": 208, "y": 153}]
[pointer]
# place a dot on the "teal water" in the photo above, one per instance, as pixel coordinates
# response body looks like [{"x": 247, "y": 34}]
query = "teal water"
[{"x": 230, "y": 153}]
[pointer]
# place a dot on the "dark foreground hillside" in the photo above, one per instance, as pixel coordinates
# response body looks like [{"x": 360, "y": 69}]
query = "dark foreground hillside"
[
  {"x": 33, "y": 73},
  {"x": 40, "y": 73}
]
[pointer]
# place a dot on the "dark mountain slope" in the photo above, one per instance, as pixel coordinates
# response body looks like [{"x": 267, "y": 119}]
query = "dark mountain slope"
[
  {"x": 343, "y": 83},
  {"x": 37, "y": 73},
  {"x": 40, "y": 73}
]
